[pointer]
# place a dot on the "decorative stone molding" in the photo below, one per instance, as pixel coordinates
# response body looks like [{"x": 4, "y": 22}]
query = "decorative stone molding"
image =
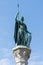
[{"x": 21, "y": 55}]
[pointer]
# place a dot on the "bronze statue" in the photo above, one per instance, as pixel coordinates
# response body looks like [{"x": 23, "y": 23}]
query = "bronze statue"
[{"x": 21, "y": 34}]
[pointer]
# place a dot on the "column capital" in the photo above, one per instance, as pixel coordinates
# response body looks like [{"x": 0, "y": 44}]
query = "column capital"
[{"x": 21, "y": 54}]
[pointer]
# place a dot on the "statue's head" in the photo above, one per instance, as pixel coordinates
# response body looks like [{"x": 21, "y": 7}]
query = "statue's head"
[{"x": 22, "y": 18}]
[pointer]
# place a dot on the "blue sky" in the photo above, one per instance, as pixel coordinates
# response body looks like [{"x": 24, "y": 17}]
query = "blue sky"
[{"x": 32, "y": 10}]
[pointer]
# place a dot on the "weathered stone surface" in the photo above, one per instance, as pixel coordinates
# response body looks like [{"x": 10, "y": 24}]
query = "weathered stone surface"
[{"x": 21, "y": 55}]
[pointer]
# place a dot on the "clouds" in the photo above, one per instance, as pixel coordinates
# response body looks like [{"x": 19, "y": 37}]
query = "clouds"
[
  {"x": 5, "y": 62},
  {"x": 6, "y": 57},
  {"x": 36, "y": 63}
]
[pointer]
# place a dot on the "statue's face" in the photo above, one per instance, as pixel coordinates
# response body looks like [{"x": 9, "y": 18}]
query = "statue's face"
[{"x": 22, "y": 19}]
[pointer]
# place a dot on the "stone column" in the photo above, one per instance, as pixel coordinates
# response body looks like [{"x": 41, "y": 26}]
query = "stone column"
[{"x": 21, "y": 55}]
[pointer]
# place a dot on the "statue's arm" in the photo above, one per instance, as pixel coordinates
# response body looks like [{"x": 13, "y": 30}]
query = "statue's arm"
[
  {"x": 29, "y": 32},
  {"x": 16, "y": 19}
]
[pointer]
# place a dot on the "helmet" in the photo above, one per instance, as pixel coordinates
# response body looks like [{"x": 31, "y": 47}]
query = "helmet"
[{"x": 22, "y": 18}]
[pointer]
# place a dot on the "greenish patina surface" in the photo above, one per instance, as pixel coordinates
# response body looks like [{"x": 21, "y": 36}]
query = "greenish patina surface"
[{"x": 21, "y": 35}]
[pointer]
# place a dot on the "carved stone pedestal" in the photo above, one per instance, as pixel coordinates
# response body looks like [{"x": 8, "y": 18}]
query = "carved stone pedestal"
[{"x": 21, "y": 55}]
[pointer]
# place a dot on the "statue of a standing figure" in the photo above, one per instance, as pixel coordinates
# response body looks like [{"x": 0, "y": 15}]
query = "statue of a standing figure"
[{"x": 21, "y": 34}]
